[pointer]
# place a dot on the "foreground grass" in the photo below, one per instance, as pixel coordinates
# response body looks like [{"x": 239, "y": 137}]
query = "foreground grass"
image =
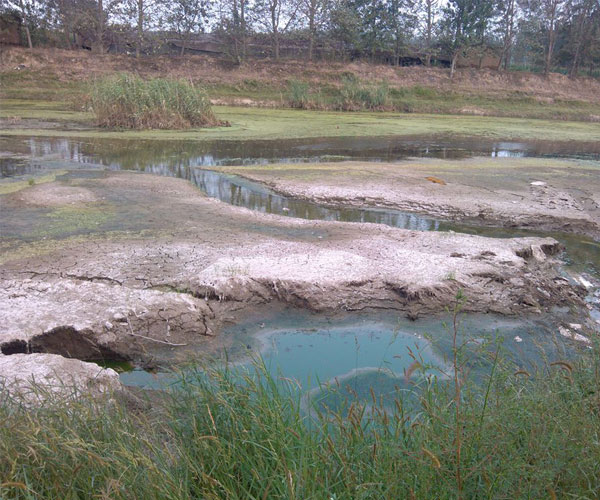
[
  {"x": 216, "y": 436},
  {"x": 256, "y": 123}
]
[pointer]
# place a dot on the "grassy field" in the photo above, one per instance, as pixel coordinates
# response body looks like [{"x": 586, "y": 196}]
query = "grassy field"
[{"x": 257, "y": 123}]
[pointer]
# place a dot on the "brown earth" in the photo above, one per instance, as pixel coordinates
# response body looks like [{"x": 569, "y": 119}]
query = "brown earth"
[{"x": 82, "y": 65}]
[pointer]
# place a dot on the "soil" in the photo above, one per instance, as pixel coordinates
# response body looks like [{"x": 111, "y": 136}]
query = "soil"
[{"x": 162, "y": 268}]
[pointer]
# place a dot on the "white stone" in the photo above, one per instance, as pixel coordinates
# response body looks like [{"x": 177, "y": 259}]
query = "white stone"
[{"x": 34, "y": 378}]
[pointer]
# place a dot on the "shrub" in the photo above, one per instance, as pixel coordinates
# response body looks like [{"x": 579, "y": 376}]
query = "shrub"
[
  {"x": 355, "y": 96},
  {"x": 127, "y": 101}
]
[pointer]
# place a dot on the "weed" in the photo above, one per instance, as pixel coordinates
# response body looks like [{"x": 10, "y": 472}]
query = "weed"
[{"x": 298, "y": 94}]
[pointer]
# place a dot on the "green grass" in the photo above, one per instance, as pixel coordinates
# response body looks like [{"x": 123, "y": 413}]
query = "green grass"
[
  {"x": 257, "y": 123},
  {"x": 127, "y": 101},
  {"x": 12, "y": 186},
  {"x": 217, "y": 435}
]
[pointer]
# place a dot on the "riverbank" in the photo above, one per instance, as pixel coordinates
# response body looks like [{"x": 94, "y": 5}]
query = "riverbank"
[
  {"x": 119, "y": 265},
  {"x": 526, "y": 193},
  {"x": 65, "y": 76}
]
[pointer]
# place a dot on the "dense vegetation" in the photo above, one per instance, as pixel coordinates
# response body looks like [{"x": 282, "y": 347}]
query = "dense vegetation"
[
  {"x": 518, "y": 434},
  {"x": 539, "y": 35},
  {"x": 127, "y": 101}
]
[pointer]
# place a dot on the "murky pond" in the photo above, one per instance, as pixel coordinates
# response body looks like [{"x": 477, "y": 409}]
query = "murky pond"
[
  {"x": 362, "y": 352},
  {"x": 174, "y": 156}
]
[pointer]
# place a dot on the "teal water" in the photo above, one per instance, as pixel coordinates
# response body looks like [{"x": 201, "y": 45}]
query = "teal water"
[{"x": 364, "y": 355}]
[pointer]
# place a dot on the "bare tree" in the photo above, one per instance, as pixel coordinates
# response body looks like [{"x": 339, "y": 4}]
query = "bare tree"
[
  {"x": 276, "y": 17},
  {"x": 316, "y": 11}
]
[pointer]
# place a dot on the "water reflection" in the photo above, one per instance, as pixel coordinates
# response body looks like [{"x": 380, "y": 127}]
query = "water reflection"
[
  {"x": 240, "y": 192},
  {"x": 141, "y": 155}
]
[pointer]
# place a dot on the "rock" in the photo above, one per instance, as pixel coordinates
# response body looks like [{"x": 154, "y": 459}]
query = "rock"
[
  {"x": 565, "y": 332},
  {"x": 537, "y": 253},
  {"x": 35, "y": 378}
]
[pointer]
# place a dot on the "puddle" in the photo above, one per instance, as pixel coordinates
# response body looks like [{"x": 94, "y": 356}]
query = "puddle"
[{"x": 361, "y": 355}]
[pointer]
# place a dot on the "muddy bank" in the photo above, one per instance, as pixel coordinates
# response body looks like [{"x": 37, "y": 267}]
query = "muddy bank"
[
  {"x": 164, "y": 268},
  {"x": 529, "y": 193}
]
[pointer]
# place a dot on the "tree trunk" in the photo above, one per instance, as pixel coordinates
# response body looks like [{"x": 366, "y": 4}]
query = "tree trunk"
[
  {"x": 311, "y": 32},
  {"x": 29, "y": 44},
  {"x": 551, "y": 37},
  {"x": 275, "y": 28},
  {"x": 453, "y": 65},
  {"x": 140, "y": 28},
  {"x": 100, "y": 28},
  {"x": 428, "y": 37},
  {"x": 24, "y": 19}
]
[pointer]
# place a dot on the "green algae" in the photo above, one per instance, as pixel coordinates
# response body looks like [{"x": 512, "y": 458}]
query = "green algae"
[
  {"x": 8, "y": 186},
  {"x": 257, "y": 123}
]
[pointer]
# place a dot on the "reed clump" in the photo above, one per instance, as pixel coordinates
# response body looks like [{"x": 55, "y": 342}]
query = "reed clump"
[{"x": 130, "y": 102}]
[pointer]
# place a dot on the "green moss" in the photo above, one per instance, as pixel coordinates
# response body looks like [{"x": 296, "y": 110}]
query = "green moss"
[
  {"x": 8, "y": 186},
  {"x": 72, "y": 220},
  {"x": 255, "y": 123}
]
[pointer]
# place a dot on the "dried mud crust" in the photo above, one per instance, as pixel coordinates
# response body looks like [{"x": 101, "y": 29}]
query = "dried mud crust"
[
  {"x": 530, "y": 193},
  {"x": 160, "y": 299}
]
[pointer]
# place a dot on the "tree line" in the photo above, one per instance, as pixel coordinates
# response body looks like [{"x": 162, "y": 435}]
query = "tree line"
[{"x": 543, "y": 35}]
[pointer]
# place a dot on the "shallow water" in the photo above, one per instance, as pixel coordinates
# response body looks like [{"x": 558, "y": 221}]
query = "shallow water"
[
  {"x": 177, "y": 155},
  {"x": 360, "y": 351}
]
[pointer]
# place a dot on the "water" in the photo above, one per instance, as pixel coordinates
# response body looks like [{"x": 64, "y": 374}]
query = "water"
[
  {"x": 175, "y": 156},
  {"x": 356, "y": 352},
  {"x": 358, "y": 355}
]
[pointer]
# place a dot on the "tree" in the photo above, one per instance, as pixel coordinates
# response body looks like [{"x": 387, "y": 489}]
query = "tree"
[
  {"x": 582, "y": 14},
  {"x": 29, "y": 12},
  {"x": 507, "y": 14},
  {"x": 345, "y": 26},
  {"x": 551, "y": 10},
  {"x": 187, "y": 17},
  {"x": 430, "y": 11},
  {"x": 465, "y": 23},
  {"x": 276, "y": 17},
  {"x": 234, "y": 28},
  {"x": 401, "y": 22},
  {"x": 316, "y": 12}
]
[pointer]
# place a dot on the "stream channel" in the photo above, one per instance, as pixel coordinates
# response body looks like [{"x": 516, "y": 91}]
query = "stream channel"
[{"x": 362, "y": 350}]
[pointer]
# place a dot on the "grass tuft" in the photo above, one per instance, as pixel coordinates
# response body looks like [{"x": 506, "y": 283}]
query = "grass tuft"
[{"x": 129, "y": 102}]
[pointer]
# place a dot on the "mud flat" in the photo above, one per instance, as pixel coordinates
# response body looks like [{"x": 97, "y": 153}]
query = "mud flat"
[
  {"x": 530, "y": 193},
  {"x": 153, "y": 269}
]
